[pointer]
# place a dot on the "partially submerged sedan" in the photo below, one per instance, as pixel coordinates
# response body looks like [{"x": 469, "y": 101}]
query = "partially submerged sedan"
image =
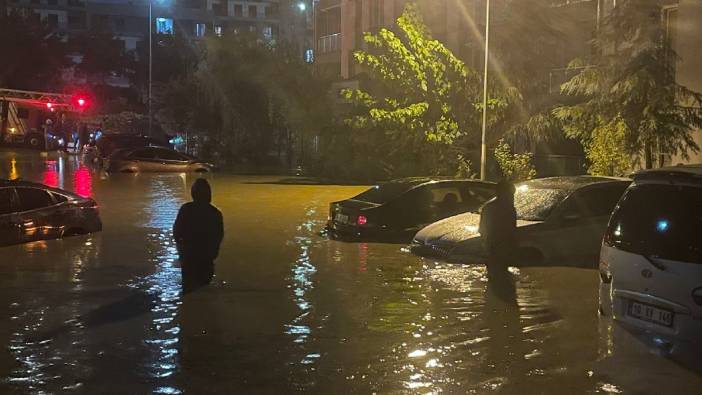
[
  {"x": 396, "y": 210},
  {"x": 31, "y": 211},
  {"x": 560, "y": 221},
  {"x": 154, "y": 159}
]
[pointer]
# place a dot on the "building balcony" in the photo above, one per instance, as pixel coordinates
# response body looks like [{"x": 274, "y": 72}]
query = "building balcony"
[{"x": 329, "y": 43}]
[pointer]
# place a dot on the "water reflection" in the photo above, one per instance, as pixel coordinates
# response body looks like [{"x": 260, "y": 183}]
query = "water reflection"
[
  {"x": 104, "y": 313},
  {"x": 301, "y": 278},
  {"x": 162, "y": 337}
]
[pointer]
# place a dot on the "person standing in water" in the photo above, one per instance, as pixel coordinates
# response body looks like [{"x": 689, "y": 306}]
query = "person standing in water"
[
  {"x": 498, "y": 226},
  {"x": 198, "y": 231}
]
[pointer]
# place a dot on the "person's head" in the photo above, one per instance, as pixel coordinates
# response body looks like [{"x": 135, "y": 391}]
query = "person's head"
[
  {"x": 201, "y": 191},
  {"x": 505, "y": 190}
]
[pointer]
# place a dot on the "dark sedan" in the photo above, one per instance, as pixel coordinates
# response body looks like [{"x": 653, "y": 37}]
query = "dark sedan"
[
  {"x": 560, "y": 220},
  {"x": 111, "y": 142},
  {"x": 154, "y": 159},
  {"x": 31, "y": 211},
  {"x": 395, "y": 210}
]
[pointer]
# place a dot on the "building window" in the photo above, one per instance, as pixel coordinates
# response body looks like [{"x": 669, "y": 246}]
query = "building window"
[
  {"x": 199, "y": 30},
  {"x": 52, "y": 20},
  {"x": 268, "y": 32},
  {"x": 376, "y": 14},
  {"x": 238, "y": 10},
  {"x": 119, "y": 23},
  {"x": 220, "y": 9},
  {"x": 218, "y": 30},
  {"x": 253, "y": 11},
  {"x": 271, "y": 11},
  {"x": 164, "y": 25},
  {"x": 309, "y": 56},
  {"x": 76, "y": 22}
]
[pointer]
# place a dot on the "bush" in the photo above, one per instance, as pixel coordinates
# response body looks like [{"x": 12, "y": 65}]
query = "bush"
[{"x": 514, "y": 167}]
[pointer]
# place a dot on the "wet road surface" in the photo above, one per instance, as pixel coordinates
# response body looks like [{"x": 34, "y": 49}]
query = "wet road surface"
[{"x": 288, "y": 311}]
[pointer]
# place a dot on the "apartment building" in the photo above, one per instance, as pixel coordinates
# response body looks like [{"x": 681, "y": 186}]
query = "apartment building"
[
  {"x": 681, "y": 20},
  {"x": 128, "y": 19}
]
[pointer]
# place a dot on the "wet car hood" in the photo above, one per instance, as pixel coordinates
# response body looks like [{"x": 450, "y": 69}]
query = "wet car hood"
[{"x": 455, "y": 229}]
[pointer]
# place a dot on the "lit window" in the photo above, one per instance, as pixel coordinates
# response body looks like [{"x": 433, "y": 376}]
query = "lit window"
[
  {"x": 199, "y": 30},
  {"x": 218, "y": 30},
  {"x": 268, "y": 32},
  {"x": 164, "y": 25},
  {"x": 309, "y": 56}
]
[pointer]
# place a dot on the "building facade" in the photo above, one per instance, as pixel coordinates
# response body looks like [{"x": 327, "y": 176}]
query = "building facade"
[{"x": 128, "y": 19}]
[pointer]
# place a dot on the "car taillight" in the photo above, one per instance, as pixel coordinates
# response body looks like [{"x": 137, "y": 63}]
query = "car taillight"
[
  {"x": 361, "y": 220},
  {"x": 697, "y": 296}
]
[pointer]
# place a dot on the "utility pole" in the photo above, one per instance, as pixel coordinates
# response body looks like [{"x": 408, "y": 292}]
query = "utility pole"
[
  {"x": 150, "y": 66},
  {"x": 483, "y": 143}
]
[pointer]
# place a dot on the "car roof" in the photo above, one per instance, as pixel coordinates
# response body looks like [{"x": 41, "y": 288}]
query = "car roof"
[
  {"x": 22, "y": 183},
  {"x": 571, "y": 183},
  {"x": 417, "y": 181},
  {"x": 687, "y": 171}
]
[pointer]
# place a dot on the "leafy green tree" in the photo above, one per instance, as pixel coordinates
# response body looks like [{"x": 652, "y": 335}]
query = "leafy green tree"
[
  {"x": 422, "y": 107},
  {"x": 628, "y": 101},
  {"x": 514, "y": 167}
]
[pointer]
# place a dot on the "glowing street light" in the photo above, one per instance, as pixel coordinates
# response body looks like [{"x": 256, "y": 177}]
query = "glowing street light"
[{"x": 302, "y": 6}]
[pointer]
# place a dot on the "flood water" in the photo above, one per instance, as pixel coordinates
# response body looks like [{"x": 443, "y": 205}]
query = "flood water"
[{"x": 289, "y": 310}]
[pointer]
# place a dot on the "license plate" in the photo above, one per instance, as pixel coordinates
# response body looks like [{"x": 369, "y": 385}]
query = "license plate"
[
  {"x": 341, "y": 218},
  {"x": 646, "y": 312}
]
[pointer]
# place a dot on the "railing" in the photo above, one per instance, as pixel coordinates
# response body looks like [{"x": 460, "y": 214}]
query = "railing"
[{"x": 329, "y": 43}]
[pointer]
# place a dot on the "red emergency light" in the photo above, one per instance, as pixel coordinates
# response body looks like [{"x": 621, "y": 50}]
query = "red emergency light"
[{"x": 80, "y": 101}]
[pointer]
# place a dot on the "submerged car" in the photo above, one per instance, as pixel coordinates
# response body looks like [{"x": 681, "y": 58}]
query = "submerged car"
[
  {"x": 108, "y": 143},
  {"x": 651, "y": 259},
  {"x": 154, "y": 159},
  {"x": 396, "y": 210},
  {"x": 560, "y": 220},
  {"x": 31, "y": 211}
]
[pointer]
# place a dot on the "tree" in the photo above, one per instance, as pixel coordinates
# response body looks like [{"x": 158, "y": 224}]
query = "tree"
[
  {"x": 423, "y": 109},
  {"x": 32, "y": 57},
  {"x": 628, "y": 101},
  {"x": 514, "y": 167},
  {"x": 254, "y": 100}
]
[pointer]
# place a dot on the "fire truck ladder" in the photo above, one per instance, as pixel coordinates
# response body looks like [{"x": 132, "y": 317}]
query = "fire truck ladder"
[{"x": 36, "y": 98}]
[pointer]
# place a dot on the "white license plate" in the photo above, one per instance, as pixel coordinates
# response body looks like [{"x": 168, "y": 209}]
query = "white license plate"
[
  {"x": 341, "y": 218},
  {"x": 646, "y": 312}
]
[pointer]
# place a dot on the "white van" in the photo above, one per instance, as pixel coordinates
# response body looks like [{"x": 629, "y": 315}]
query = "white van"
[{"x": 651, "y": 257}]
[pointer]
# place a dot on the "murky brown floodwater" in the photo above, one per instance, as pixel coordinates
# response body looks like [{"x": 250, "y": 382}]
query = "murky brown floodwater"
[{"x": 289, "y": 310}]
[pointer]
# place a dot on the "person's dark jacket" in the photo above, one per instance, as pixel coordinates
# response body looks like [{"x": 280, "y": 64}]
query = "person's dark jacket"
[
  {"x": 498, "y": 224},
  {"x": 198, "y": 230}
]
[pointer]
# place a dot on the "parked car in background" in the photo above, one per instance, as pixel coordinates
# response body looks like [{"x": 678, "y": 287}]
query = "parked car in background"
[
  {"x": 154, "y": 159},
  {"x": 560, "y": 220},
  {"x": 396, "y": 210},
  {"x": 108, "y": 143},
  {"x": 651, "y": 258},
  {"x": 31, "y": 211}
]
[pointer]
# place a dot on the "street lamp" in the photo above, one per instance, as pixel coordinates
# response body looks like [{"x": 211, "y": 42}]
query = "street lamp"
[
  {"x": 151, "y": 21},
  {"x": 483, "y": 144}
]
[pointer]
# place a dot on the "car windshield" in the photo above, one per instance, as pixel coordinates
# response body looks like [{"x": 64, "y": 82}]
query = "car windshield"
[
  {"x": 661, "y": 221},
  {"x": 535, "y": 204},
  {"x": 384, "y": 193}
]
